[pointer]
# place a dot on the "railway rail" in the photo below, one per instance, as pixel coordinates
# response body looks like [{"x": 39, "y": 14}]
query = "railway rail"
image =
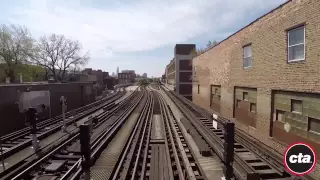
[
  {"x": 252, "y": 161},
  {"x": 150, "y": 147},
  {"x": 64, "y": 161},
  {"x": 15, "y": 142},
  {"x": 134, "y": 154},
  {"x": 20, "y": 139},
  {"x": 185, "y": 164},
  {"x": 48, "y": 122}
]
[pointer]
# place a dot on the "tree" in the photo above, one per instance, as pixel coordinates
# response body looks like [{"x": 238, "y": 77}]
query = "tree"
[
  {"x": 60, "y": 55},
  {"x": 211, "y": 44},
  {"x": 16, "y": 44},
  {"x": 200, "y": 51}
]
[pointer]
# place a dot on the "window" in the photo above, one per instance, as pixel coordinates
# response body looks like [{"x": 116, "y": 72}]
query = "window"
[
  {"x": 238, "y": 103},
  {"x": 296, "y": 106},
  {"x": 198, "y": 88},
  {"x": 247, "y": 56},
  {"x": 216, "y": 91},
  {"x": 314, "y": 125},
  {"x": 245, "y": 96},
  {"x": 253, "y": 107},
  {"x": 296, "y": 44},
  {"x": 280, "y": 116}
]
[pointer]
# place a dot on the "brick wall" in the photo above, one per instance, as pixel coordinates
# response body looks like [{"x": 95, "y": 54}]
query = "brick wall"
[{"x": 223, "y": 64}]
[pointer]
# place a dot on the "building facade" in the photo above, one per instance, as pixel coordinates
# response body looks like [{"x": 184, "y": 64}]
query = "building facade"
[
  {"x": 179, "y": 70},
  {"x": 126, "y": 77},
  {"x": 265, "y": 77}
]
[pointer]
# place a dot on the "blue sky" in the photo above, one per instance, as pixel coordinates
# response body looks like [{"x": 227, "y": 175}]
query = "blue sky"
[{"x": 134, "y": 34}]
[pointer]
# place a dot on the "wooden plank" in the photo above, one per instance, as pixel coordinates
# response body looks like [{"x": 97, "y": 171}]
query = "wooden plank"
[
  {"x": 267, "y": 171},
  {"x": 157, "y": 141}
]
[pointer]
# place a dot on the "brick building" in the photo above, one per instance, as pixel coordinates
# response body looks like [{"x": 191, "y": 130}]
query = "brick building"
[
  {"x": 126, "y": 77},
  {"x": 267, "y": 75},
  {"x": 179, "y": 70}
]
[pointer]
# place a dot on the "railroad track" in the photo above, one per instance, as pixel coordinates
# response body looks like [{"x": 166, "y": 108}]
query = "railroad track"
[
  {"x": 106, "y": 157},
  {"x": 251, "y": 160},
  {"x": 64, "y": 161},
  {"x": 50, "y": 121},
  {"x": 135, "y": 153},
  {"x": 21, "y": 139},
  {"x": 185, "y": 165}
]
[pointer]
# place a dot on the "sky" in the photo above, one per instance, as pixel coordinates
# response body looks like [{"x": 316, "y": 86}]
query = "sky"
[{"x": 134, "y": 34}]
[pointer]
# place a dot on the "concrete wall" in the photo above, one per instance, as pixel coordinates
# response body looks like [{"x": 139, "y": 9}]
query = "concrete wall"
[
  {"x": 76, "y": 94},
  {"x": 223, "y": 65}
]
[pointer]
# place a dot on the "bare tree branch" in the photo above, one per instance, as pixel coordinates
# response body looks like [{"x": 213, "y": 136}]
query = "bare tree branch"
[{"x": 59, "y": 54}]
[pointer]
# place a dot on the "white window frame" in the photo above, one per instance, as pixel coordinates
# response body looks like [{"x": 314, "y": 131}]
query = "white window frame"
[
  {"x": 246, "y": 67},
  {"x": 304, "y": 44}
]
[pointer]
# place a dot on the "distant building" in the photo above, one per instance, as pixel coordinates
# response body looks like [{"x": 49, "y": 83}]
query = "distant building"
[
  {"x": 163, "y": 78},
  {"x": 97, "y": 76},
  {"x": 126, "y": 77},
  {"x": 179, "y": 70},
  {"x": 144, "y": 75}
]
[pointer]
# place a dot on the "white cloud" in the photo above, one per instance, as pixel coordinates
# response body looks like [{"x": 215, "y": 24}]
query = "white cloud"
[{"x": 140, "y": 26}]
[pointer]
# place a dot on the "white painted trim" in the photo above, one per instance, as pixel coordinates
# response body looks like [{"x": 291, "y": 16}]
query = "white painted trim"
[{"x": 304, "y": 42}]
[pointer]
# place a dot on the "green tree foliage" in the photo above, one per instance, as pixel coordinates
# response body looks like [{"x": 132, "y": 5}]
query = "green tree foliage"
[
  {"x": 16, "y": 46},
  {"x": 29, "y": 72},
  {"x": 143, "y": 82}
]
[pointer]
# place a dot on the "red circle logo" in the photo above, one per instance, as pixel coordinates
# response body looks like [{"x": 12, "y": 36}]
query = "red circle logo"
[{"x": 300, "y": 158}]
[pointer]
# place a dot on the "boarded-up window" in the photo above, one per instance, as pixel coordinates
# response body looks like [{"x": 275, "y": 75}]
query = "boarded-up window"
[
  {"x": 300, "y": 110},
  {"x": 296, "y": 106},
  {"x": 238, "y": 103},
  {"x": 314, "y": 125},
  {"x": 280, "y": 116},
  {"x": 245, "y": 96},
  {"x": 215, "y": 97},
  {"x": 245, "y": 109},
  {"x": 253, "y": 107}
]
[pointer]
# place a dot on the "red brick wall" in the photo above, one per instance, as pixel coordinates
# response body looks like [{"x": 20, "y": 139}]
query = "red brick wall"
[{"x": 223, "y": 64}]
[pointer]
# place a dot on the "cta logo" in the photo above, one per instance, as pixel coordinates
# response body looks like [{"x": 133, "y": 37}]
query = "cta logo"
[{"x": 300, "y": 158}]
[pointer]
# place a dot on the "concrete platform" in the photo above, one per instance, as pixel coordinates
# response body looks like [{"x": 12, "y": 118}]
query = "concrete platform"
[{"x": 210, "y": 165}]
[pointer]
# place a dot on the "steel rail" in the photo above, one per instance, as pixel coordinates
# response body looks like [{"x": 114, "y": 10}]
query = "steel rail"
[
  {"x": 95, "y": 141},
  {"x": 125, "y": 164}
]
